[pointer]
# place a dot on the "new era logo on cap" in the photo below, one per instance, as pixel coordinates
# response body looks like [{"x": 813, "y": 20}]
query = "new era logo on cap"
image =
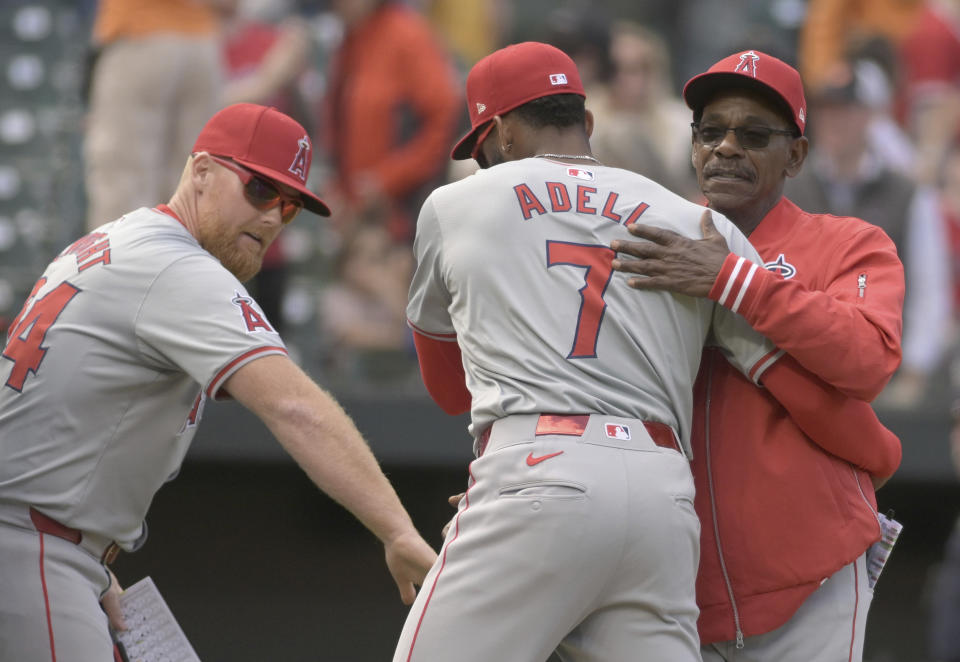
[
  {"x": 558, "y": 79},
  {"x": 617, "y": 431}
]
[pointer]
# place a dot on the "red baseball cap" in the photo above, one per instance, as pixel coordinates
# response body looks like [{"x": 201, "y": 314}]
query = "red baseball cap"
[
  {"x": 750, "y": 68},
  {"x": 266, "y": 141},
  {"x": 510, "y": 77}
]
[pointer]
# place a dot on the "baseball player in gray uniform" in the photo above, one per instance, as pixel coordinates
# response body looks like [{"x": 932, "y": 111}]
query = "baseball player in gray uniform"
[
  {"x": 105, "y": 374},
  {"x": 577, "y": 531}
]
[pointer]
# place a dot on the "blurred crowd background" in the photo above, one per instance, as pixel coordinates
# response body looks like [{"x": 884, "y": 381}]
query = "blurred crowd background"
[{"x": 100, "y": 102}]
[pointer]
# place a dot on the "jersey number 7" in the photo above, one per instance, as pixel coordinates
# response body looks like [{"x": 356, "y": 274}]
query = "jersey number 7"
[
  {"x": 596, "y": 261},
  {"x": 25, "y": 339}
]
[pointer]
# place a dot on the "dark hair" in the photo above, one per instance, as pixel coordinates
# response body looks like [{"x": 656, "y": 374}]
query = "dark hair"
[
  {"x": 559, "y": 110},
  {"x": 756, "y": 90}
]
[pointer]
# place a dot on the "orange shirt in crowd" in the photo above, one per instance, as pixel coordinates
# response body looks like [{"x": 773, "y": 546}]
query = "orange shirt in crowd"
[
  {"x": 393, "y": 104},
  {"x": 831, "y": 23},
  {"x": 117, "y": 19}
]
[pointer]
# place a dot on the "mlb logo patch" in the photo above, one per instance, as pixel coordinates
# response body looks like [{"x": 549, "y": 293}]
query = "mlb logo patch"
[
  {"x": 579, "y": 173},
  {"x": 558, "y": 79},
  {"x": 617, "y": 431}
]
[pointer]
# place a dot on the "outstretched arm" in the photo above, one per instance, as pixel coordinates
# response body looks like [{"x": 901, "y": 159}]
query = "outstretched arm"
[{"x": 323, "y": 440}]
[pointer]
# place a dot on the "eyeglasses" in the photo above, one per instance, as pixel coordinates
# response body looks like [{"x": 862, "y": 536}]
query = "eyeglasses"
[
  {"x": 261, "y": 193},
  {"x": 475, "y": 152},
  {"x": 749, "y": 137}
]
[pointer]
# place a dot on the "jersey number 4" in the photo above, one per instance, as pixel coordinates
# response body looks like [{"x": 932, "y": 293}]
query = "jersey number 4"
[
  {"x": 596, "y": 261},
  {"x": 25, "y": 339}
]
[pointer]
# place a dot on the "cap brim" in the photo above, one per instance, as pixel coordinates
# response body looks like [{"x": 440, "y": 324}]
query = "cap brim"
[
  {"x": 310, "y": 201},
  {"x": 464, "y": 147},
  {"x": 700, "y": 89}
]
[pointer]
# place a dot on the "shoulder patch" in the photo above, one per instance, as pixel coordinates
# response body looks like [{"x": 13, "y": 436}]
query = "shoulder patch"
[{"x": 253, "y": 319}]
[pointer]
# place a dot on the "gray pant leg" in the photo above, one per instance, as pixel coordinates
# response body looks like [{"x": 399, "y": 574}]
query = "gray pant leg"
[
  {"x": 51, "y": 600},
  {"x": 828, "y": 627},
  {"x": 596, "y": 548}
]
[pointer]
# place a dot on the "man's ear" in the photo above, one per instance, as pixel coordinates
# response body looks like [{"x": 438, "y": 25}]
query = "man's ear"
[
  {"x": 798, "y": 154},
  {"x": 504, "y": 134},
  {"x": 200, "y": 167},
  {"x": 588, "y": 122}
]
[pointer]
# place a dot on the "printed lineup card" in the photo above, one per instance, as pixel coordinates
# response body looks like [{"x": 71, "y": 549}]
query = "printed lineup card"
[{"x": 152, "y": 634}]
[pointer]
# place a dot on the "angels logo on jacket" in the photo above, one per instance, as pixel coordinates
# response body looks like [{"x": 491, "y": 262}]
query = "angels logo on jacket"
[
  {"x": 782, "y": 267},
  {"x": 252, "y": 318}
]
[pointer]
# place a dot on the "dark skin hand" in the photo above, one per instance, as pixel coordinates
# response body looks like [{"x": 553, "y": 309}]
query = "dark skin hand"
[{"x": 669, "y": 261}]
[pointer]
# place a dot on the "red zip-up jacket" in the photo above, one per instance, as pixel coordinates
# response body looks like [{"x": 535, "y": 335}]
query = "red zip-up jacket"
[{"x": 779, "y": 513}]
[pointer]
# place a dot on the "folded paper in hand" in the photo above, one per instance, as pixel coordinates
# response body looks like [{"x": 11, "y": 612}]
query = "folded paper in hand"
[{"x": 152, "y": 634}]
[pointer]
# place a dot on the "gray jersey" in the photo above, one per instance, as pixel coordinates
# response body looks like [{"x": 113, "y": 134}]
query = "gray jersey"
[
  {"x": 514, "y": 264},
  {"x": 107, "y": 367}
]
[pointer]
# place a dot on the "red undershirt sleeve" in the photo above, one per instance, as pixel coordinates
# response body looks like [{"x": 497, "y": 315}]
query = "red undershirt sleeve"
[{"x": 441, "y": 367}]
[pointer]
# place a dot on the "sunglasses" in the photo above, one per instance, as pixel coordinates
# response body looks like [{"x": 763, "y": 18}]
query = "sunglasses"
[
  {"x": 749, "y": 137},
  {"x": 475, "y": 152},
  {"x": 261, "y": 193}
]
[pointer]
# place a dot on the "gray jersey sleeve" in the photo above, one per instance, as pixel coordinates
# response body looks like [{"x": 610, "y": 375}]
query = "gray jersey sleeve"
[
  {"x": 198, "y": 318},
  {"x": 429, "y": 299},
  {"x": 749, "y": 351}
]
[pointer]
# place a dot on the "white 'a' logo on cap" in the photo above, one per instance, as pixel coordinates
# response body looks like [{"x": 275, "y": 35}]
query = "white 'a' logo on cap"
[
  {"x": 480, "y": 108},
  {"x": 748, "y": 63},
  {"x": 558, "y": 79},
  {"x": 299, "y": 165}
]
